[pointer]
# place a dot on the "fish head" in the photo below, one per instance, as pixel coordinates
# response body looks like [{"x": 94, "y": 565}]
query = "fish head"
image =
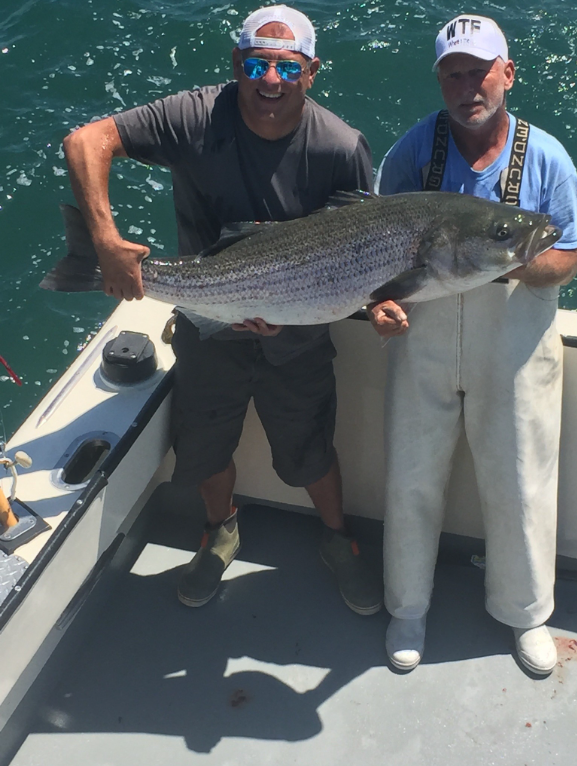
[{"x": 474, "y": 241}]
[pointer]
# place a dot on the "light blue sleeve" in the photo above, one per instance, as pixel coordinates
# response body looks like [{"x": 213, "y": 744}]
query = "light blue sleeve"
[
  {"x": 562, "y": 207},
  {"x": 400, "y": 170},
  {"x": 552, "y": 184},
  {"x": 397, "y": 172}
]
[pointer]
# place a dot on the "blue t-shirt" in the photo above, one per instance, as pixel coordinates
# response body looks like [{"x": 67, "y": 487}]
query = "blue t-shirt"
[{"x": 549, "y": 182}]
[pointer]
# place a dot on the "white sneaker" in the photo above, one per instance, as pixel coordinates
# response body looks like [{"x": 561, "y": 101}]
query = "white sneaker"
[
  {"x": 536, "y": 649},
  {"x": 405, "y": 642}
]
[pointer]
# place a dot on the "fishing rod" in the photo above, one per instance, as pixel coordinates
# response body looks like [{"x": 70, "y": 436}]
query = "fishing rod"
[{"x": 10, "y": 371}]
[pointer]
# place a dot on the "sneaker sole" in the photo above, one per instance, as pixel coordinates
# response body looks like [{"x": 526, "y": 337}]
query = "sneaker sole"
[
  {"x": 401, "y": 666},
  {"x": 201, "y": 602},
  {"x": 539, "y": 671},
  {"x": 362, "y": 610},
  {"x": 191, "y": 602}
]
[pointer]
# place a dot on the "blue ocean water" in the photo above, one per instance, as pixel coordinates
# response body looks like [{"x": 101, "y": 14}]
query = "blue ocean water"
[{"x": 64, "y": 63}]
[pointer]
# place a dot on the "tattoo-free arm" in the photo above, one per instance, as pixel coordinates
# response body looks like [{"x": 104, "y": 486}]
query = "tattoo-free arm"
[
  {"x": 89, "y": 153},
  {"x": 553, "y": 267}
]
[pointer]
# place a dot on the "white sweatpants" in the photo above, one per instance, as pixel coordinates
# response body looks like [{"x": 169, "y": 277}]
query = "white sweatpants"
[{"x": 488, "y": 361}]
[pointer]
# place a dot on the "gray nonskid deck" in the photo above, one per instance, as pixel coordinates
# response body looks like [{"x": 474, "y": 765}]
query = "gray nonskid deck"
[
  {"x": 12, "y": 567},
  {"x": 276, "y": 669}
]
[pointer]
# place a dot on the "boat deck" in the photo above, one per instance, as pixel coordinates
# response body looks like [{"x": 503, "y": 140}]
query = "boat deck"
[{"x": 276, "y": 669}]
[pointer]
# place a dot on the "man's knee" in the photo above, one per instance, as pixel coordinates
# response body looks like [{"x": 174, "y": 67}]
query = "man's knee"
[{"x": 306, "y": 469}]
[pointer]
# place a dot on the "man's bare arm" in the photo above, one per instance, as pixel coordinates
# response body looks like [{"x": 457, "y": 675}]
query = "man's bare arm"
[
  {"x": 553, "y": 267},
  {"x": 89, "y": 153}
]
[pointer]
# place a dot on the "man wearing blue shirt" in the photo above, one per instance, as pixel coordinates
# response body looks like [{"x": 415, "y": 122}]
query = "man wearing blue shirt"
[{"x": 488, "y": 361}]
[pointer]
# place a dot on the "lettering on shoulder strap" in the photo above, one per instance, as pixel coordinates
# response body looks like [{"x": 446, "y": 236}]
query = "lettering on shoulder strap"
[
  {"x": 439, "y": 154},
  {"x": 511, "y": 180},
  {"x": 512, "y": 176}
]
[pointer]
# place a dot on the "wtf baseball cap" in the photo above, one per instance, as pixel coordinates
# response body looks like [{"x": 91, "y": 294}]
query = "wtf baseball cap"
[
  {"x": 297, "y": 22},
  {"x": 476, "y": 35}
]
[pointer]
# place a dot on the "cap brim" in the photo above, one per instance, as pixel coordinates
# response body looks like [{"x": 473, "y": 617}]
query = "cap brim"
[{"x": 478, "y": 53}]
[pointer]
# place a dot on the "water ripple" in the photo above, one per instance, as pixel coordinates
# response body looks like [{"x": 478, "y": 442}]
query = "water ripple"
[{"x": 66, "y": 62}]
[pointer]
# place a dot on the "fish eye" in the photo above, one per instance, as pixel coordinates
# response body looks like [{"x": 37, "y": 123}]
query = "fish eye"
[{"x": 502, "y": 231}]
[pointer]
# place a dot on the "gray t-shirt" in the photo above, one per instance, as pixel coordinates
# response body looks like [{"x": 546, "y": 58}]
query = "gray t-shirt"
[{"x": 224, "y": 173}]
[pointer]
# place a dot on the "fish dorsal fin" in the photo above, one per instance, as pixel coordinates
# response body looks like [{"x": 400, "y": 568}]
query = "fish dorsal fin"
[
  {"x": 344, "y": 198},
  {"x": 235, "y": 232}
]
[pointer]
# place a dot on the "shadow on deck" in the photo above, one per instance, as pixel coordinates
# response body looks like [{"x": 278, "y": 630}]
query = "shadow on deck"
[{"x": 276, "y": 669}]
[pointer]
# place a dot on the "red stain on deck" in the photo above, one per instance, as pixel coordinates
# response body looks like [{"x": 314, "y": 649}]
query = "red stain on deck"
[{"x": 566, "y": 649}]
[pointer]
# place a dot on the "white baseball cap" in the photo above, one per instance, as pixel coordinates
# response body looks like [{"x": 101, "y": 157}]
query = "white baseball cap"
[
  {"x": 476, "y": 35},
  {"x": 296, "y": 21}
]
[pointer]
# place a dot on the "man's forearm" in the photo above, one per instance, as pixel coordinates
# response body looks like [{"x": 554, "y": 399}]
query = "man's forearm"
[
  {"x": 89, "y": 152},
  {"x": 553, "y": 267}
]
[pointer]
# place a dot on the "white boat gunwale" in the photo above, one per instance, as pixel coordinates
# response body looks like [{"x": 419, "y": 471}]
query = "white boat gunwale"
[
  {"x": 100, "y": 479},
  {"x": 95, "y": 485}
]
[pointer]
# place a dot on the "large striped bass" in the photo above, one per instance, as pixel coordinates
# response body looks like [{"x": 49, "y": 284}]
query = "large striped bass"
[{"x": 325, "y": 266}]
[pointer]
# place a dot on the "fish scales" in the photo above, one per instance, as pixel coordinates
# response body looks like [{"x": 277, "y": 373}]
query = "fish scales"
[
  {"x": 323, "y": 267},
  {"x": 330, "y": 261}
]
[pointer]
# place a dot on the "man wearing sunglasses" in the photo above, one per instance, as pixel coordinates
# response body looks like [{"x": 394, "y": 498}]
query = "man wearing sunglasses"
[{"x": 254, "y": 149}]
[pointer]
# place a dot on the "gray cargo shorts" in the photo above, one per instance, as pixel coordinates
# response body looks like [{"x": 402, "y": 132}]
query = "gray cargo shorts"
[{"x": 214, "y": 382}]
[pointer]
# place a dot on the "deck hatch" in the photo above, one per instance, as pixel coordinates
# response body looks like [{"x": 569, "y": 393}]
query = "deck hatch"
[
  {"x": 85, "y": 461},
  {"x": 82, "y": 459}
]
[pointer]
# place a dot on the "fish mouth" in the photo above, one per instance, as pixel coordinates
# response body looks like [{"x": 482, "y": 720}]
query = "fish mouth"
[{"x": 543, "y": 238}]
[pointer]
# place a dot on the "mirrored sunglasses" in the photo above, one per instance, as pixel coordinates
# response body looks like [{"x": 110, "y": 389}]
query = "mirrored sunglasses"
[{"x": 290, "y": 71}]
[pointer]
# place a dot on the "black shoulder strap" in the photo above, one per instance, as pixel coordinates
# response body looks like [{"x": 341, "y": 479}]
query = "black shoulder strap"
[
  {"x": 511, "y": 189},
  {"x": 439, "y": 153}
]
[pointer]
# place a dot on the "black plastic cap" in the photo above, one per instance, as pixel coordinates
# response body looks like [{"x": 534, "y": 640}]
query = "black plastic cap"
[{"x": 128, "y": 358}]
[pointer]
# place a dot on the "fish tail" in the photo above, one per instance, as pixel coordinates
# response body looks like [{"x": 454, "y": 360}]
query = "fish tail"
[{"x": 79, "y": 270}]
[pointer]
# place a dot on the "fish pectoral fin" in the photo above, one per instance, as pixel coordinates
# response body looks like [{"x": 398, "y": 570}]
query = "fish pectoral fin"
[
  {"x": 206, "y": 327},
  {"x": 437, "y": 242},
  {"x": 402, "y": 287},
  {"x": 435, "y": 245}
]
